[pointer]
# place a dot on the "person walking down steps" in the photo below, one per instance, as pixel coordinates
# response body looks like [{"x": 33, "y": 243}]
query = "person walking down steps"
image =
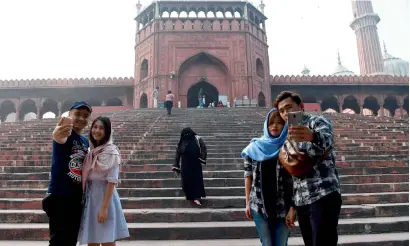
[{"x": 190, "y": 155}]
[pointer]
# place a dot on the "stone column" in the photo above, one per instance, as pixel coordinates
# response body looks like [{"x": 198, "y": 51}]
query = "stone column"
[
  {"x": 39, "y": 104},
  {"x": 400, "y": 104},
  {"x": 59, "y": 106},
  {"x": 38, "y": 116},
  {"x": 17, "y": 105},
  {"x": 380, "y": 101},
  {"x": 340, "y": 100}
]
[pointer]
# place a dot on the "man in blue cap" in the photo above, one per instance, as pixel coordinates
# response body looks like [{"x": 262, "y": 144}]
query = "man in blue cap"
[{"x": 63, "y": 201}]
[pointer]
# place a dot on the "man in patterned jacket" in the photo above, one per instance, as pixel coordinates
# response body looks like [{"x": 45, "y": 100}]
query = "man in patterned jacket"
[{"x": 316, "y": 196}]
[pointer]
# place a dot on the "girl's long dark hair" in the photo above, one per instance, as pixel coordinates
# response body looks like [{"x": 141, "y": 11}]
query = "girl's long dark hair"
[{"x": 107, "y": 130}]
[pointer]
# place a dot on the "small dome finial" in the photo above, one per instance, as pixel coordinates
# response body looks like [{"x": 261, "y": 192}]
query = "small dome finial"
[
  {"x": 384, "y": 46},
  {"x": 338, "y": 58},
  {"x": 262, "y": 7},
  {"x": 139, "y": 6},
  {"x": 305, "y": 70}
]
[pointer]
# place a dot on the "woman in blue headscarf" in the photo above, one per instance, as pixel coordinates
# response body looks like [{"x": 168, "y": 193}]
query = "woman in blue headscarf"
[{"x": 268, "y": 187}]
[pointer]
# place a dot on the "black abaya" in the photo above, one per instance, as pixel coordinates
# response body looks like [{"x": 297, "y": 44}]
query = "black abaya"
[{"x": 191, "y": 172}]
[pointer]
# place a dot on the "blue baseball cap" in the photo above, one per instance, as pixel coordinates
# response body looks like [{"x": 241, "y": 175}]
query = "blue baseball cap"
[{"x": 81, "y": 104}]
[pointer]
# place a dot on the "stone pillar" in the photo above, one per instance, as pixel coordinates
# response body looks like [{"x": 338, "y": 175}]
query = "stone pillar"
[
  {"x": 17, "y": 105},
  {"x": 380, "y": 101},
  {"x": 38, "y": 115},
  {"x": 400, "y": 104},
  {"x": 39, "y": 105},
  {"x": 59, "y": 106},
  {"x": 340, "y": 100}
]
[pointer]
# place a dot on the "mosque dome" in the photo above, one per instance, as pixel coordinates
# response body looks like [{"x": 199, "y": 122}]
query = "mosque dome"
[
  {"x": 395, "y": 66},
  {"x": 340, "y": 69}
]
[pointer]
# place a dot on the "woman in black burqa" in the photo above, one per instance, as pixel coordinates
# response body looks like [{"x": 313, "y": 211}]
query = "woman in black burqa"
[{"x": 190, "y": 155}]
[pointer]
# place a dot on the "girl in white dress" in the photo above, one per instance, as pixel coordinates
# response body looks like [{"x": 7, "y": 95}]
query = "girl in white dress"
[{"x": 103, "y": 221}]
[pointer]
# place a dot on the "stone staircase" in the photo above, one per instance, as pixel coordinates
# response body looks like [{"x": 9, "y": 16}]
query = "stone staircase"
[{"x": 372, "y": 156}]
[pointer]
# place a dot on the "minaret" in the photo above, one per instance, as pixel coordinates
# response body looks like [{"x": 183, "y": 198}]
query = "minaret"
[
  {"x": 368, "y": 44},
  {"x": 262, "y": 7}
]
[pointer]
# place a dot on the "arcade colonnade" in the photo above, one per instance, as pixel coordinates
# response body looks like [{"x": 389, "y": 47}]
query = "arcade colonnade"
[
  {"x": 39, "y": 108},
  {"x": 382, "y": 105}
]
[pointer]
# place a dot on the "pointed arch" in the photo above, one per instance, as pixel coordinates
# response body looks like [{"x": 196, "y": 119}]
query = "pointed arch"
[
  {"x": 202, "y": 56},
  {"x": 260, "y": 70},
  {"x": 49, "y": 105},
  {"x": 28, "y": 106},
  {"x": 261, "y": 100},
  {"x": 210, "y": 91},
  {"x": 144, "y": 69},
  {"x": 144, "y": 101},
  {"x": 7, "y": 110}
]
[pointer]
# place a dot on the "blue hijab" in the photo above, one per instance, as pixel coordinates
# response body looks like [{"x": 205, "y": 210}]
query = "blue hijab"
[{"x": 266, "y": 147}]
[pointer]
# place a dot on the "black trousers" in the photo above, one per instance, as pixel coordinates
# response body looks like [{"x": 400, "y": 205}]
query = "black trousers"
[
  {"x": 318, "y": 221},
  {"x": 169, "y": 105},
  {"x": 64, "y": 214}
]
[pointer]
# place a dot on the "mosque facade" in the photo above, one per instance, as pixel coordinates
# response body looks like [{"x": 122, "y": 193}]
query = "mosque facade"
[{"x": 221, "y": 47}]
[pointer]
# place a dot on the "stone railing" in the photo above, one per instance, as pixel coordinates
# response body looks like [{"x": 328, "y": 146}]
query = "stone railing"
[
  {"x": 339, "y": 80},
  {"x": 66, "y": 83},
  {"x": 242, "y": 103}
]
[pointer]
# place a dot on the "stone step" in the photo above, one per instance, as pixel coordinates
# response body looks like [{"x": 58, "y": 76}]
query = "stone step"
[
  {"x": 151, "y": 164},
  {"x": 236, "y": 164},
  {"x": 169, "y": 215},
  {"x": 207, "y": 174},
  {"x": 210, "y": 230},
  {"x": 129, "y": 148},
  {"x": 210, "y": 201},
  {"x": 169, "y": 158},
  {"x": 383, "y": 239},
  {"x": 216, "y": 182},
  {"x": 211, "y": 191}
]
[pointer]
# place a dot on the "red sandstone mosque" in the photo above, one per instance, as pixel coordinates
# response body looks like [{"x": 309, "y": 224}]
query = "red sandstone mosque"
[{"x": 221, "y": 46}]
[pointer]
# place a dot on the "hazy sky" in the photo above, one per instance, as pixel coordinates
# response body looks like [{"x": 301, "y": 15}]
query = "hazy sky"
[{"x": 95, "y": 38}]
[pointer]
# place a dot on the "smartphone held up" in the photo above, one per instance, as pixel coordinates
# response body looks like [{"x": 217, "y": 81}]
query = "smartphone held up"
[
  {"x": 67, "y": 121},
  {"x": 295, "y": 118}
]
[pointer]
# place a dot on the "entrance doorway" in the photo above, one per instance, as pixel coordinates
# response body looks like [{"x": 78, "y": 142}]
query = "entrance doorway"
[
  {"x": 210, "y": 91},
  {"x": 144, "y": 101}
]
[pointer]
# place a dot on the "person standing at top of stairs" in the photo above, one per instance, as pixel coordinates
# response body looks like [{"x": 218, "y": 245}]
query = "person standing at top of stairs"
[
  {"x": 169, "y": 101},
  {"x": 316, "y": 195},
  {"x": 63, "y": 201},
  {"x": 155, "y": 96}
]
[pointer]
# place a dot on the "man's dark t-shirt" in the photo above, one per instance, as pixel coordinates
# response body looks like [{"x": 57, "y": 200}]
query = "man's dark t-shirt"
[{"x": 67, "y": 164}]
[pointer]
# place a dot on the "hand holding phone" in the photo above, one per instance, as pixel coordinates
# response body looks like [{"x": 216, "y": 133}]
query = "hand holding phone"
[
  {"x": 63, "y": 129},
  {"x": 67, "y": 121}
]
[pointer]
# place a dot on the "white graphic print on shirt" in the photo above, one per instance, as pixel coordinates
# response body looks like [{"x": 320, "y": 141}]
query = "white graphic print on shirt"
[{"x": 78, "y": 153}]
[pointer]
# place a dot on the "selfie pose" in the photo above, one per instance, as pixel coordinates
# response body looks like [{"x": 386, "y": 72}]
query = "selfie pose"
[
  {"x": 103, "y": 220},
  {"x": 63, "y": 201},
  {"x": 316, "y": 188},
  {"x": 190, "y": 156},
  {"x": 268, "y": 186}
]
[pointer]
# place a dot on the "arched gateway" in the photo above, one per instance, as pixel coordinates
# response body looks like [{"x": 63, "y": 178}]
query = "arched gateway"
[
  {"x": 202, "y": 71},
  {"x": 211, "y": 94}
]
